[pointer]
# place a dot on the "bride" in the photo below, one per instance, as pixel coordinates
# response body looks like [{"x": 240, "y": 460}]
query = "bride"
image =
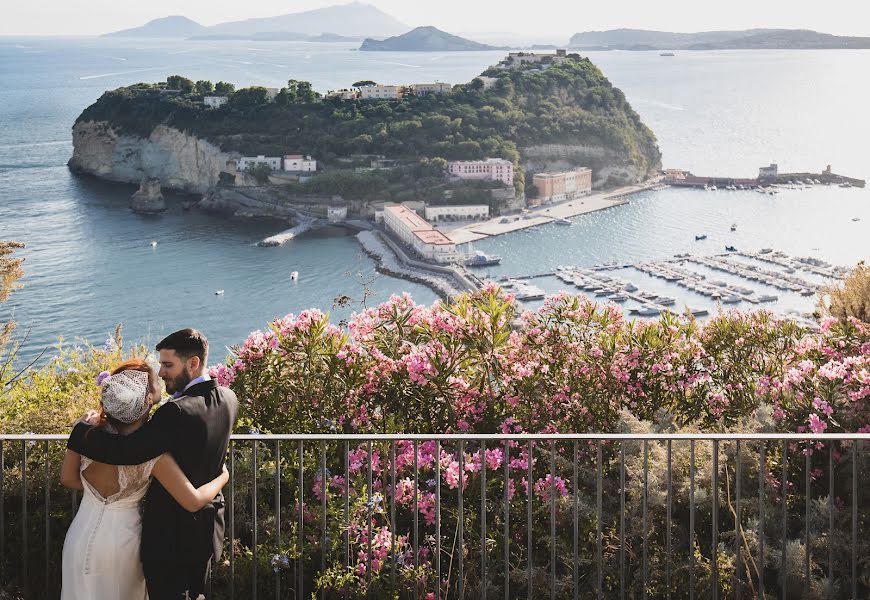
[{"x": 101, "y": 550}]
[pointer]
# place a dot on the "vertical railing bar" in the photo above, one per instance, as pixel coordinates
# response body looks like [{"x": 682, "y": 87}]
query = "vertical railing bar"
[
  {"x": 807, "y": 500},
  {"x": 3, "y": 512},
  {"x": 783, "y": 564},
  {"x": 553, "y": 520},
  {"x": 254, "y": 516},
  {"x": 529, "y": 541},
  {"x": 370, "y": 518},
  {"x": 460, "y": 534},
  {"x": 668, "y": 517},
  {"x": 231, "y": 518},
  {"x": 507, "y": 520},
  {"x": 278, "y": 516},
  {"x": 576, "y": 522},
  {"x": 416, "y": 512},
  {"x": 599, "y": 511},
  {"x": 437, "y": 519},
  {"x": 301, "y": 532},
  {"x": 855, "y": 449},
  {"x": 483, "y": 519},
  {"x": 325, "y": 487},
  {"x": 347, "y": 512},
  {"x": 738, "y": 525},
  {"x": 393, "y": 527},
  {"x": 691, "y": 519},
  {"x": 831, "y": 520},
  {"x": 47, "y": 515},
  {"x": 25, "y": 582},
  {"x": 645, "y": 517},
  {"x": 762, "y": 478},
  {"x": 714, "y": 550},
  {"x": 622, "y": 519}
]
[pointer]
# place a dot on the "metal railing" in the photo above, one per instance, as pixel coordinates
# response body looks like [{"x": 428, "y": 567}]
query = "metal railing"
[{"x": 500, "y": 516}]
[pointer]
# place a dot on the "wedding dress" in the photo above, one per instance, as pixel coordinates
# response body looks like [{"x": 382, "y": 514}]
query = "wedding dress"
[{"x": 101, "y": 550}]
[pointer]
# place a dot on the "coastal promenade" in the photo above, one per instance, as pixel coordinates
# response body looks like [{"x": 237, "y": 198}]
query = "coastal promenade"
[{"x": 545, "y": 214}]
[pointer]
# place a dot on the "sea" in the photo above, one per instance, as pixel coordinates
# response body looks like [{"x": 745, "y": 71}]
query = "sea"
[{"x": 91, "y": 264}]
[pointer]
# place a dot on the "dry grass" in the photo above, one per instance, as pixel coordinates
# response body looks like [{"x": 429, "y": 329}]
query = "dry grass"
[{"x": 851, "y": 298}]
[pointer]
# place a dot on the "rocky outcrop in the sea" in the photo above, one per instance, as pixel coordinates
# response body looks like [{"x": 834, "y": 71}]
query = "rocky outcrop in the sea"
[
  {"x": 180, "y": 161},
  {"x": 148, "y": 199}
]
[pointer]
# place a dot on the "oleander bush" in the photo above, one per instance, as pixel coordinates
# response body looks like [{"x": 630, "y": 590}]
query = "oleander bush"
[{"x": 478, "y": 365}]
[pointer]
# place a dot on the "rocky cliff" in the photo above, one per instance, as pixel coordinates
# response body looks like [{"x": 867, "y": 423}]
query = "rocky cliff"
[{"x": 180, "y": 161}]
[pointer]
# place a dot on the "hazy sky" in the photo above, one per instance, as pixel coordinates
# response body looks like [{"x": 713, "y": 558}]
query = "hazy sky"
[{"x": 548, "y": 18}]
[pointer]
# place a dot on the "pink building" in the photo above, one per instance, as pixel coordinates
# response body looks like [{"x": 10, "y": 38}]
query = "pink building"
[{"x": 495, "y": 169}]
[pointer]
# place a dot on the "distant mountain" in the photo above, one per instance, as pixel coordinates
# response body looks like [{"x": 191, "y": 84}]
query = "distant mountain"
[
  {"x": 750, "y": 39},
  {"x": 357, "y": 20},
  {"x": 277, "y": 36},
  {"x": 167, "y": 27},
  {"x": 425, "y": 39}
]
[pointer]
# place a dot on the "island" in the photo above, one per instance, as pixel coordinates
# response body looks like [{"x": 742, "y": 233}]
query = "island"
[
  {"x": 750, "y": 39},
  {"x": 425, "y": 39}
]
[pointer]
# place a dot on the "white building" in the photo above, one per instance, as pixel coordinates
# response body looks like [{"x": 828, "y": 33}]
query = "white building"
[
  {"x": 214, "y": 101},
  {"x": 770, "y": 172},
  {"x": 375, "y": 92},
  {"x": 296, "y": 163},
  {"x": 421, "y": 89},
  {"x": 494, "y": 169},
  {"x": 412, "y": 230},
  {"x": 246, "y": 162},
  {"x": 336, "y": 214},
  {"x": 342, "y": 94},
  {"x": 518, "y": 59},
  {"x": 457, "y": 212}
]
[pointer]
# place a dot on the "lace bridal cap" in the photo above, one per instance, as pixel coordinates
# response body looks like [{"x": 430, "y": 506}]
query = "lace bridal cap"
[{"x": 123, "y": 395}]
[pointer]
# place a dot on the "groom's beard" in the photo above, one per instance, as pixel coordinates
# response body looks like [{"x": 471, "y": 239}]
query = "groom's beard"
[{"x": 178, "y": 383}]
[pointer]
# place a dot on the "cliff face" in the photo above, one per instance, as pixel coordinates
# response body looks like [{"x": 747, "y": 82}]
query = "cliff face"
[{"x": 180, "y": 161}]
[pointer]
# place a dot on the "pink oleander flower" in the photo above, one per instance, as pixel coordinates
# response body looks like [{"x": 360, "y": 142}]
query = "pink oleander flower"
[{"x": 816, "y": 424}]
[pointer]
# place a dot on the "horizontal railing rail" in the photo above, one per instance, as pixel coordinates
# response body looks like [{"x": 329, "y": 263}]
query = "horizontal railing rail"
[{"x": 507, "y": 516}]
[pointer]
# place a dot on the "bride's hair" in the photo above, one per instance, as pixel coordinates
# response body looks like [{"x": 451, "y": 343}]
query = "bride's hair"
[{"x": 132, "y": 364}]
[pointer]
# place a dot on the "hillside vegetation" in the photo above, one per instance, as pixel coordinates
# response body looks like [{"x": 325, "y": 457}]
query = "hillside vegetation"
[{"x": 571, "y": 103}]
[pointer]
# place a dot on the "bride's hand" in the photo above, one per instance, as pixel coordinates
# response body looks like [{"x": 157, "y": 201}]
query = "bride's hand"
[{"x": 91, "y": 417}]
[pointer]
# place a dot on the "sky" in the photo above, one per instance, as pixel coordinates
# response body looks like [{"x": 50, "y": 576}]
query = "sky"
[{"x": 551, "y": 19}]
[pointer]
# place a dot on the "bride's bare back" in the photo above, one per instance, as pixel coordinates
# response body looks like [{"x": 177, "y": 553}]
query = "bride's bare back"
[{"x": 103, "y": 478}]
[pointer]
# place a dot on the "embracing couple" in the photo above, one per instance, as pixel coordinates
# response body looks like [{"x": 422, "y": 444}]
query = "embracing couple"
[{"x": 152, "y": 515}]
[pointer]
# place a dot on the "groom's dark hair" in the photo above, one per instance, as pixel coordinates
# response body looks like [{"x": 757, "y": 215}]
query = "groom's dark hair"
[{"x": 186, "y": 343}]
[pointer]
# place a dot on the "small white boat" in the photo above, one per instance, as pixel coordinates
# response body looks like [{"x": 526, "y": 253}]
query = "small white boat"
[
  {"x": 618, "y": 298},
  {"x": 699, "y": 312},
  {"x": 646, "y": 311},
  {"x": 630, "y": 287},
  {"x": 153, "y": 244},
  {"x": 767, "y": 298},
  {"x": 665, "y": 300},
  {"x": 294, "y": 275},
  {"x": 856, "y": 219},
  {"x": 562, "y": 222},
  {"x": 219, "y": 293},
  {"x": 730, "y": 299}
]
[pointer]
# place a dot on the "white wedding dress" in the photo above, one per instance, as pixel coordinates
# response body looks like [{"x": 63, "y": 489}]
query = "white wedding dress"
[{"x": 101, "y": 550}]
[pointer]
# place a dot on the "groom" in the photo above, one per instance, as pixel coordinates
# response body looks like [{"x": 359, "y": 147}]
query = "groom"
[{"x": 194, "y": 426}]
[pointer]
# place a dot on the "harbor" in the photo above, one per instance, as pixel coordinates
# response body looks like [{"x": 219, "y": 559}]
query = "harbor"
[{"x": 747, "y": 279}]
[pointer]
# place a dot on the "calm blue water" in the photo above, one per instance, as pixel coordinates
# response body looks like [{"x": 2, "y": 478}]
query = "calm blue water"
[{"x": 89, "y": 260}]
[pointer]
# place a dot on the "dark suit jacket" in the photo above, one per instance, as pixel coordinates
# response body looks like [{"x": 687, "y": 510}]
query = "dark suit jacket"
[{"x": 195, "y": 429}]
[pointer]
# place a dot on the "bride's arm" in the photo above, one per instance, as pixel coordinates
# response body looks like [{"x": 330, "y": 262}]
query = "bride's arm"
[
  {"x": 171, "y": 477},
  {"x": 70, "y": 475}
]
